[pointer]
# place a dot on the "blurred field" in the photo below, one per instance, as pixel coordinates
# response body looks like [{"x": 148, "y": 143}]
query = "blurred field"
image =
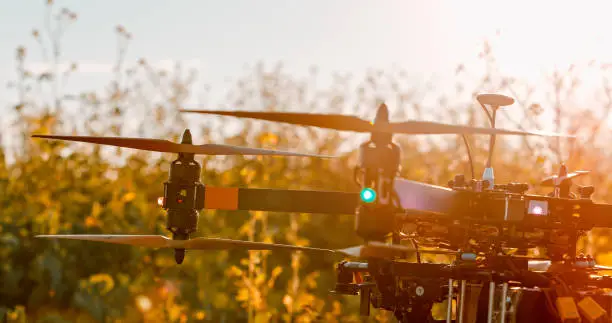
[{"x": 51, "y": 187}]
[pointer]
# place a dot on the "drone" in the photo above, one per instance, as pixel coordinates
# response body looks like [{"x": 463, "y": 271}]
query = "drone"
[{"x": 385, "y": 204}]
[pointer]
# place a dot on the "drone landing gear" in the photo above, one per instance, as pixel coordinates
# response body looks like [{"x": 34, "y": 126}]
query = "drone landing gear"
[{"x": 179, "y": 254}]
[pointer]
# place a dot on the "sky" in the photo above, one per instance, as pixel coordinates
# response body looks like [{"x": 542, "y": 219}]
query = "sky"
[{"x": 220, "y": 38}]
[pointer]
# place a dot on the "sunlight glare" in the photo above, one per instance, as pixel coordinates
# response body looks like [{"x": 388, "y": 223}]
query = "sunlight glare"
[
  {"x": 143, "y": 303},
  {"x": 537, "y": 36}
]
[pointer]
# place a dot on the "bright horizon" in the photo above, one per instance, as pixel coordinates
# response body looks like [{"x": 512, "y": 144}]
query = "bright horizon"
[{"x": 426, "y": 38}]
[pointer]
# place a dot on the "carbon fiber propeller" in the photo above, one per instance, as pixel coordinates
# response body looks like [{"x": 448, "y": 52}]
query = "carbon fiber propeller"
[
  {"x": 355, "y": 124},
  {"x": 370, "y": 250},
  {"x": 166, "y": 146},
  {"x": 563, "y": 175},
  {"x": 158, "y": 241}
]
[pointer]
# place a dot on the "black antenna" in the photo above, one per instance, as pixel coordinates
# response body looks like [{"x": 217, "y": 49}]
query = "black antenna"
[
  {"x": 469, "y": 152},
  {"x": 495, "y": 101}
]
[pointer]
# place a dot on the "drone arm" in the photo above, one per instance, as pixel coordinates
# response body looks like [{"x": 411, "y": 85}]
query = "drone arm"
[
  {"x": 410, "y": 195},
  {"x": 278, "y": 200}
]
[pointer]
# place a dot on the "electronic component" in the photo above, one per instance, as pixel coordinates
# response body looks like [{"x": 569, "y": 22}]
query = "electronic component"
[
  {"x": 537, "y": 207},
  {"x": 568, "y": 312},
  {"x": 592, "y": 311}
]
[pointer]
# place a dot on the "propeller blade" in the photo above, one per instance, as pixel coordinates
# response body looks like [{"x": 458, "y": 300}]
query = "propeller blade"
[
  {"x": 371, "y": 250},
  {"x": 555, "y": 179},
  {"x": 378, "y": 250},
  {"x": 328, "y": 121},
  {"x": 426, "y": 127},
  {"x": 225, "y": 244},
  {"x": 352, "y": 123},
  {"x": 158, "y": 241},
  {"x": 171, "y": 147},
  {"x": 152, "y": 241}
]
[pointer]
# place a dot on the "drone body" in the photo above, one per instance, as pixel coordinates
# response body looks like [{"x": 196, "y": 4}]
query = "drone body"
[{"x": 466, "y": 212}]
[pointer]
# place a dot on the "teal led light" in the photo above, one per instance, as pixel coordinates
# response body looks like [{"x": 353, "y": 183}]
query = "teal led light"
[{"x": 368, "y": 195}]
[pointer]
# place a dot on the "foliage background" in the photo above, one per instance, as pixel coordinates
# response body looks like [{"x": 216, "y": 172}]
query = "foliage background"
[{"x": 52, "y": 187}]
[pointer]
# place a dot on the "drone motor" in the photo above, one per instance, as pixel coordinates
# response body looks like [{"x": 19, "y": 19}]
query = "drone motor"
[
  {"x": 183, "y": 197},
  {"x": 378, "y": 166}
]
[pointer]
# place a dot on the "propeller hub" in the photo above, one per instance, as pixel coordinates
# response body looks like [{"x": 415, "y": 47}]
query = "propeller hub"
[
  {"x": 186, "y": 137},
  {"x": 382, "y": 114},
  {"x": 179, "y": 256},
  {"x": 381, "y": 119}
]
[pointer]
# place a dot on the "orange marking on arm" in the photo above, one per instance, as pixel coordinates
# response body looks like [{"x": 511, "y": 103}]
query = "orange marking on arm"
[{"x": 221, "y": 198}]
